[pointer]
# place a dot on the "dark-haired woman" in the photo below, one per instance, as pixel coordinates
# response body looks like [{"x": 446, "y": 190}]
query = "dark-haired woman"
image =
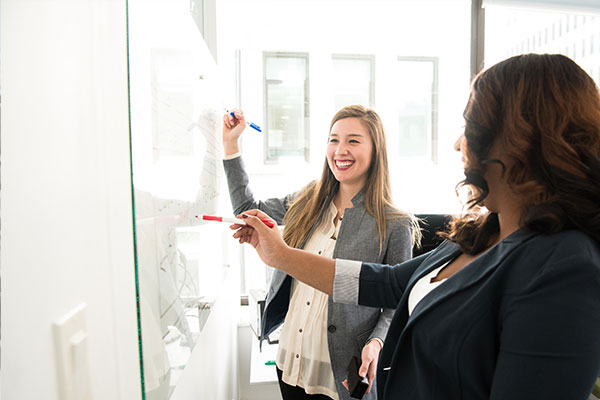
[{"x": 508, "y": 307}]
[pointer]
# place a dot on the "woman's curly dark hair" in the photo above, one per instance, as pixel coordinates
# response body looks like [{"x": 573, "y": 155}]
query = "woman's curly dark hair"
[{"x": 544, "y": 112}]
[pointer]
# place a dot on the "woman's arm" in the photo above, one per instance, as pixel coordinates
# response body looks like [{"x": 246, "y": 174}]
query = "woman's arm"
[
  {"x": 381, "y": 286},
  {"x": 312, "y": 269},
  {"x": 241, "y": 195}
]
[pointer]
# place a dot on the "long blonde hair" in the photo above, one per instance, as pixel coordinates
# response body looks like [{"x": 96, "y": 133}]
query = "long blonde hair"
[{"x": 304, "y": 211}]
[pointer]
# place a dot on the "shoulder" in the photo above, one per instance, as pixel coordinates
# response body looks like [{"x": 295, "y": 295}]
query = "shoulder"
[
  {"x": 400, "y": 223},
  {"x": 400, "y": 227},
  {"x": 564, "y": 244},
  {"x": 570, "y": 248},
  {"x": 568, "y": 256}
]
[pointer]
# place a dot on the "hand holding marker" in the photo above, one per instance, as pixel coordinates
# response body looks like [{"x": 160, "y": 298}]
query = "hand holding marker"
[
  {"x": 238, "y": 221},
  {"x": 251, "y": 124}
]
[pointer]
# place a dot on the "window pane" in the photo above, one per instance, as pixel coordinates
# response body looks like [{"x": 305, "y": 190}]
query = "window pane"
[
  {"x": 286, "y": 80},
  {"x": 352, "y": 83},
  {"x": 512, "y": 31},
  {"x": 416, "y": 106}
]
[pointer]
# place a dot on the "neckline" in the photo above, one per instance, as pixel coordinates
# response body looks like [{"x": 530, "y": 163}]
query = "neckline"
[{"x": 434, "y": 273}]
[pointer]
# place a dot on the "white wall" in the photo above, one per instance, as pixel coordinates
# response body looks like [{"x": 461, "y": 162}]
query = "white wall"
[{"x": 66, "y": 195}]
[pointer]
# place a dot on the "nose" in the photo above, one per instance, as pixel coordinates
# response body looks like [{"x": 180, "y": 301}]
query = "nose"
[
  {"x": 341, "y": 148},
  {"x": 459, "y": 142}
]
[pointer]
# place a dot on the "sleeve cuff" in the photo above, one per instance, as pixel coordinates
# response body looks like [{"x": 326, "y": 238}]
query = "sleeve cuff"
[
  {"x": 346, "y": 281},
  {"x": 232, "y": 156},
  {"x": 375, "y": 338}
]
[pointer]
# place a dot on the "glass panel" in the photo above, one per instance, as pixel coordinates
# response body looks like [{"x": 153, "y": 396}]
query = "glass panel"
[
  {"x": 416, "y": 106},
  {"x": 352, "y": 82},
  {"x": 286, "y": 82},
  {"x": 175, "y": 177},
  {"x": 512, "y": 31}
]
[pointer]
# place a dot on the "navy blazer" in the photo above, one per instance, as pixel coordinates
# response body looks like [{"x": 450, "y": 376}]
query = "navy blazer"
[{"x": 521, "y": 321}]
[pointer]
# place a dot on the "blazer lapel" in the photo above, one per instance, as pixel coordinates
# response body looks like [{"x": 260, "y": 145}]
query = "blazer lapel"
[
  {"x": 396, "y": 332},
  {"x": 468, "y": 276},
  {"x": 445, "y": 252}
]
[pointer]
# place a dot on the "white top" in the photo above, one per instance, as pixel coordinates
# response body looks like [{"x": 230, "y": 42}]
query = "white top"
[
  {"x": 303, "y": 354},
  {"x": 423, "y": 287}
]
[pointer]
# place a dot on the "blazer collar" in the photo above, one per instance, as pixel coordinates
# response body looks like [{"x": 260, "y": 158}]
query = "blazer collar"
[
  {"x": 358, "y": 212},
  {"x": 359, "y": 198},
  {"x": 466, "y": 277}
]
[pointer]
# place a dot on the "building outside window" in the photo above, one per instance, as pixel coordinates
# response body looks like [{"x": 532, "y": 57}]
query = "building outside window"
[{"x": 578, "y": 34}]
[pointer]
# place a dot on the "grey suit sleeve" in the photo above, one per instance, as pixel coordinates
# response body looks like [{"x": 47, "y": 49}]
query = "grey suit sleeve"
[
  {"x": 399, "y": 249},
  {"x": 241, "y": 195}
]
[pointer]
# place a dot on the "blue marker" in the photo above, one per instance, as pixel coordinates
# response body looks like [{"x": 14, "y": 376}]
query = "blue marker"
[{"x": 251, "y": 124}]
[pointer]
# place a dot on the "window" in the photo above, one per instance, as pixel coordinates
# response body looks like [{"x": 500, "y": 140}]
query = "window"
[
  {"x": 417, "y": 106},
  {"x": 353, "y": 80},
  {"x": 286, "y": 105}
]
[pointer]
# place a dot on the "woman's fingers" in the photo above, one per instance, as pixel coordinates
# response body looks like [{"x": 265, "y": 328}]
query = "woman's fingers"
[
  {"x": 262, "y": 233},
  {"x": 345, "y": 383},
  {"x": 230, "y": 122},
  {"x": 369, "y": 356},
  {"x": 255, "y": 212}
]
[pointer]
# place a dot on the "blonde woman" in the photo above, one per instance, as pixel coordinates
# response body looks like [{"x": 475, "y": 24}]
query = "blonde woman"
[{"x": 347, "y": 213}]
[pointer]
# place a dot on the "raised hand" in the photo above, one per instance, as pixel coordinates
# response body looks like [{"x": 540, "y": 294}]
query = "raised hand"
[{"x": 232, "y": 130}]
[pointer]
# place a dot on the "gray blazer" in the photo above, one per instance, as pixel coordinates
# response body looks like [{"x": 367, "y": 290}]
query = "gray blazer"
[{"x": 349, "y": 326}]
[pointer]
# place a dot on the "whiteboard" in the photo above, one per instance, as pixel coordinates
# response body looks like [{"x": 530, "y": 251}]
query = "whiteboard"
[{"x": 176, "y": 175}]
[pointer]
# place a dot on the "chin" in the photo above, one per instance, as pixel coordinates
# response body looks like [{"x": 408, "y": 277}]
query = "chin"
[{"x": 486, "y": 206}]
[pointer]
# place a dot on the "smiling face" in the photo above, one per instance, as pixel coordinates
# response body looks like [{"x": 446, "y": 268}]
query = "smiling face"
[{"x": 350, "y": 151}]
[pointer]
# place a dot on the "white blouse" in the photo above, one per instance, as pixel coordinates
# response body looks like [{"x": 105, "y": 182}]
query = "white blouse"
[
  {"x": 306, "y": 363},
  {"x": 423, "y": 287}
]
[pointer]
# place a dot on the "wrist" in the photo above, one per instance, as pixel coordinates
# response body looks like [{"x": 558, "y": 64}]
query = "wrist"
[
  {"x": 231, "y": 147},
  {"x": 283, "y": 254},
  {"x": 374, "y": 341}
]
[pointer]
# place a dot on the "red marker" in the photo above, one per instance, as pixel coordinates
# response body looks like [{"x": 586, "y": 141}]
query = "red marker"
[{"x": 267, "y": 222}]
